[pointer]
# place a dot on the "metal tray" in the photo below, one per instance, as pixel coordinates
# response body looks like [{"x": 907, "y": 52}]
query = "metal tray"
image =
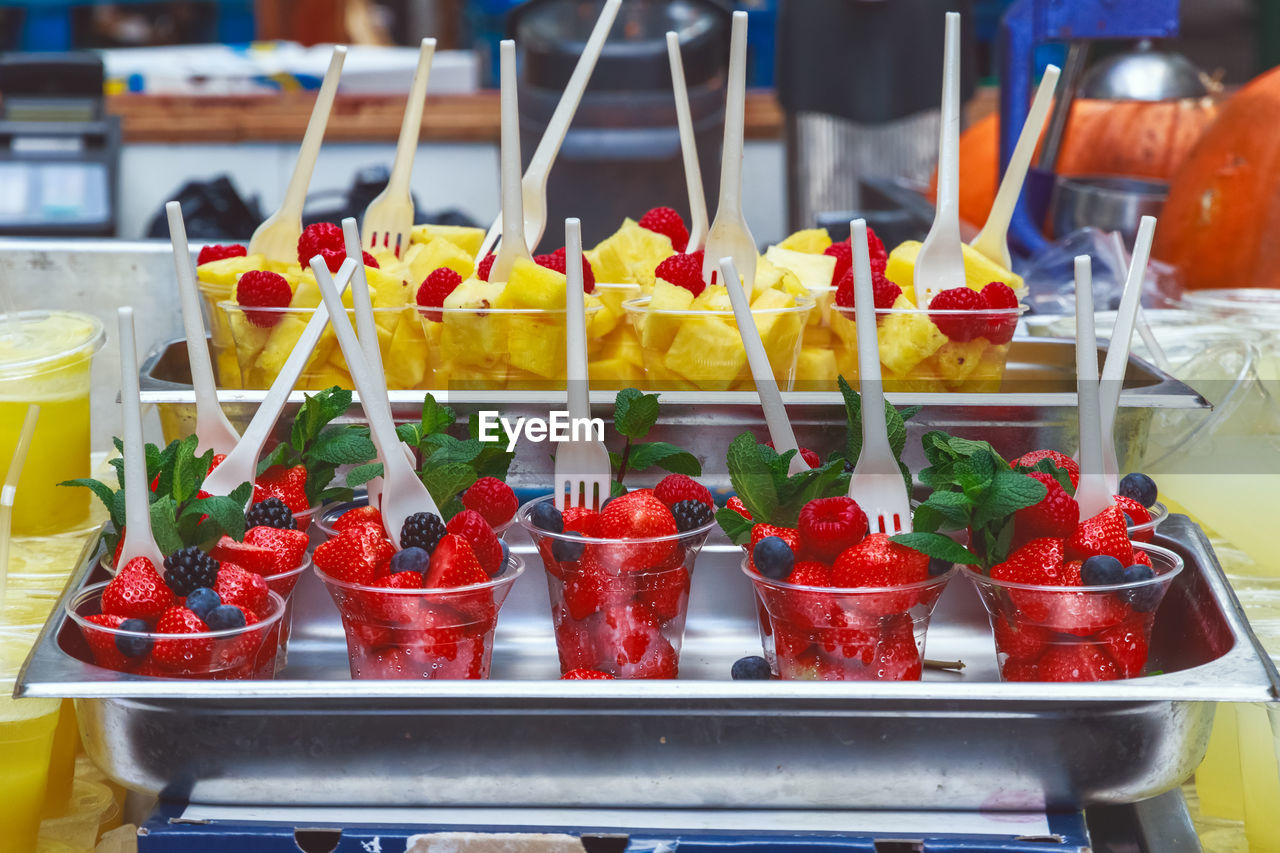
[{"x": 952, "y": 741}]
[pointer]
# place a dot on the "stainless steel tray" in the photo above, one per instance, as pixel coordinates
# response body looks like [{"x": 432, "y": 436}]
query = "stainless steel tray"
[{"x": 952, "y": 741}]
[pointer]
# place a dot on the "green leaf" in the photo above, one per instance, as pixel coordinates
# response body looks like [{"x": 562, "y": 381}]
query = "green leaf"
[
  {"x": 279, "y": 455},
  {"x": 617, "y": 490},
  {"x": 937, "y": 546},
  {"x": 909, "y": 412},
  {"x": 103, "y": 492},
  {"x": 164, "y": 525},
  {"x": 752, "y": 477},
  {"x": 1046, "y": 466},
  {"x": 118, "y": 515},
  {"x": 665, "y": 456},
  {"x": 435, "y": 417},
  {"x": 187, "y": 473},
  {"x": 853, "y": 420},
  {"x": 445, "y": 481},
  {"x": 316, "y": 412},
  {"x": 443, "y": 449},
  {"x": 1009, "y": 492},
  {"x": 335, "y": 494},
  {"x": 897, "y": 429},
  {"x": 410, "y": 434},
  {"x": 224, "y": 511},
  {"x": 953, "y": 507},
  {"x": 737, "y": 528},
  {"x": 343, "y": 446},
  {"x": 362, "y": 474},
  {"x": 634, "y": 413}
]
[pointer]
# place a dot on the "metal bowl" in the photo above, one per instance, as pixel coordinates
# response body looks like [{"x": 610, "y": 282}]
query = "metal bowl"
[{"x": 1107, "y": 202}]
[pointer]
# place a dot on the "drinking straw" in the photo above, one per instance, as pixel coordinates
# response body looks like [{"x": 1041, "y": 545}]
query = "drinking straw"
[{"x": 7, "y": 494}]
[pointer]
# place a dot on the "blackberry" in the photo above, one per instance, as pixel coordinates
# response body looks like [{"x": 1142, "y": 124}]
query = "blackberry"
[
  {"x": 189, "y": 569},
  {"x": 690, "y": 515},
  {"x": 271, "y": 512},
  {"x": 422, "y": 530},
  {"x": 752, "y": 668}
]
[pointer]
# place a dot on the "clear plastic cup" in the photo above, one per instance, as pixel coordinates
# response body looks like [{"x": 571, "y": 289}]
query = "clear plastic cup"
[
  {"x": 1146, "y": 531},
  {"x": 330, "y": 513},
  {"x": 421, "y": 633},
  {"x": 617, "y": 362},
  {"x": 618, "y": 605},
  {"x": 844, "y": 634},
  {"x": 1076, "y": 633},
  {"x": 283, "y": 584},
  {"x": 27, "y": 729},
  {"x": 701, "y": 350},
  {"x": 79, "y": 824},
  {"x": 232, "y": 654},
  {"x": 45, "y": 358}
]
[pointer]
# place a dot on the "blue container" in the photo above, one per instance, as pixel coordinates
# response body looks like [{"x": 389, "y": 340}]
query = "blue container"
[
  {"x": 762, "y": 26},
  {"x": 486, "y": 22}
]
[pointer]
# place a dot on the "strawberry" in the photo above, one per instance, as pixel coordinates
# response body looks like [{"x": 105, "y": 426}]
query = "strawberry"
[
  {"x": 1077, "y": 662},
  {"x": 244, "y": 589},
  {"x": 343, "y": 557},
  {"x": 287, "y": 547},
  {"x": 454, "y": 563},
  {"x": 377, "y": 548},
  {"x": 1019, "y": 639},
  {"x": 809, "y": 665},
  {"x": 246, "y": 555},
  {"x": 137, "y": 592},
  {"x": 682, "y": 271},
  {"x": 262, "y": 289},
  {"x": 1061, "y": 460},
  {"x": 471, "y": 526},
  {"x": 959, "y": 327},
  {"x": 103, "y": 643},
  {"x": 830, "y": 526},
  {"x": 583, "y": 674},
  {"x": 637, "y": 515},
  {"x": 1105, "y": 533},
  {"x": 1140, "y": 558},
  {"x": 317, "y": 237},
  {"x": 216, "y": 252},
  {"x": 897, "y": 656},
  {"x": 1000, "y": 297},
  {"x": 1082, "y": 614},
  {"x": 735, "y": 503},
  {"x": 627, "y": 632},
  {"x": 178, "y": 654},
  {"x": 399, "y": 580},
  {"x": 1038, "y": 562},
  {"x": 493, "y": 499},
  {"x": 287, "y": 484},
  {"x": 1127, "y": 646},
  {"x": 665, "y": 220},
  {"x": 883, "y": 292},
  {"x": 580, "y": 519},
  {"x": 575, "y": 641},
  {"x": 849, "y": 638},
  {"x": 674, "y": 488},
  {"x": 358, "y": 515},
  {"x": 876, "y": 561},
  {"x": 810, "y": 573},
  {"x": 1055, "y": 516},
  {"x": 665, "y": 593},
  {"x": 660, "y": 660},
  {"x": 1135, "y": 514},
  {"x": 590, "y": 591},
  {"x": 435, "y": 289},
  {"x": 1019, "y": 669}
]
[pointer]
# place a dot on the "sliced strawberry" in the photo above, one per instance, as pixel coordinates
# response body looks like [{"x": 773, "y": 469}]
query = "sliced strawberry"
[
  {"x": 1019, "y": 639},
  {"x": 1077, "y": 662},
  {"x": 665, "y": 593},
  {"x": 735, "y": 503},
  {"x": 358, "y": 515},
  {"x": 454, "y": 563},
  {"x": 580, "y": 519},
  {"x": 472, "y": 526},
  {"x": 627, "y": 632},
  {"x": 897, "y": 657},
  {"x": 288, "y": 547}
]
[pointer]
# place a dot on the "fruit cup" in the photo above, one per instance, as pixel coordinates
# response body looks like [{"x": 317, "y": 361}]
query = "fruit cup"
[
  {"x": 27, "y": 729},
  {"x": 616, "y": 362},
  {"x": 618, "y": 605},
  {"x": 421, "y": 633},
  {"x": 1076, "y": 633},
  {"x": 327, "y": 518},
  {"x": 847, "y": 634},
  {"x": 229, "y": 654},
  {"x": 695, "y": 349}
]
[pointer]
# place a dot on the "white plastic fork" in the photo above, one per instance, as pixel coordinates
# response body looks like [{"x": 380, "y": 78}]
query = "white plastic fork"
[
  {"x": 403, "y": 494},
  {"x": 533, "y": 187},
  {"x": 1092, "y": 493},
  {"x": 138, "y": 539},
  {"x": 993, "y": 240},
  {"x": 389, "y": 217},
  {"x": 213, "y": 430},
  {"x": 940, "y": 262},
  {"x": 241, "y": 464},
  {"x": 583, "y": 475},
  {"x": 877, "y": 483},
  {"x": 688, "y": 148},
  {"x": 775, "y": 413},
  {"x": 729, "y": 235},
  {"x": 277, "y": 237},
  {"x": 513, "y": 239}
]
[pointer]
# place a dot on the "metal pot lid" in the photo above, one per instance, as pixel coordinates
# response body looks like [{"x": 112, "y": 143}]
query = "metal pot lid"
[{"x": 1144, "y": 74}]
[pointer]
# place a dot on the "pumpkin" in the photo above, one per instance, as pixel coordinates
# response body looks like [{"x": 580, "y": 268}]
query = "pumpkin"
[
  {"x": 1220, "y": 223},
  {"x": 1136, "y": 138}
]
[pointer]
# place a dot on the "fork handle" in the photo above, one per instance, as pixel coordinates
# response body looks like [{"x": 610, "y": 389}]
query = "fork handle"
[
  {"x": 875, "y": 434},
  {"x": 295, "y": 196},
  {"x": 407, "y": 143},
  {"x": 575, "y": 332}
]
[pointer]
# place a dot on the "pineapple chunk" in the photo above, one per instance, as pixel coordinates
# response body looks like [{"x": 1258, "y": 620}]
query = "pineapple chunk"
[
  {"x": 532, "y": 286},
  {"x": 474, "y": 293},
  {"x": 465, "y": 238},
  {"x": 708, "y": 352},
  {"x": 907, "y": 339},
  {"x": 422, "y": 259},
  {"x": 811, "y": 241},
  {"x": 227, "y": 270},
  {"x": 386, "y": 289},
  {"x": 813, "y": 270},
  {"x": 281, "y": 342},
  {"x": 630, "y": 255},
  {"x": 956, "y": 360},
  {"x": 979, "y": 271},
  {"x": 407, "y": 355},
  {"x": 536, "y": 344},
  {"x": 658, "y": 329},
  {"x": 819, "y": 336},
  {"x": 472, "y": 337},
  {"x": 601, "y": 320},
  {"x": 817, "y": 367},
  {"x": 714, "y": 297}
]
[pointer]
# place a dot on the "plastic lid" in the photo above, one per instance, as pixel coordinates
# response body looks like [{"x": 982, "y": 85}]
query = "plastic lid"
[{"x": 33, "y": 342}]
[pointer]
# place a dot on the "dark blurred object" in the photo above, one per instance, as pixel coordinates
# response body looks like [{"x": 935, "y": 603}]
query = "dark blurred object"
[
  {"x": 59, "y": 152},
  {"x": 1143, "y": 74},
  {"x": 895, "y": 211},
  {"x": 54, "y": 25},
  {"x": 624, "y": 135},
  {"x": 307, "y": 22},
  {"x": 213, "y": 210}
]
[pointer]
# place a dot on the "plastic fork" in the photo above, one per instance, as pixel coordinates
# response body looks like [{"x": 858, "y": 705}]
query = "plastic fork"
[
  {"x": 688, "y": 148},
  {"x": 775, "y": 413},
  {"x": 583, "y": 476},
  {"x": 940, "y": 263},
  {"x": 729, "y": 236},
  {"x": 138, "y": 539},
  {"x": 389, "y": 217},
  {"x": 1092, "y": 493},
  {"x": 403, "y": 494},
  {"x": 877, "y": 483},
  {"x": 277, "y": 237},
  {"x": 533, "y": 187},
  {"x": 993, "y": 240},
  {"x": 241, "y": 464},
  {"x": 513, "y": 239},
  {"x": 213, "y": 430}
]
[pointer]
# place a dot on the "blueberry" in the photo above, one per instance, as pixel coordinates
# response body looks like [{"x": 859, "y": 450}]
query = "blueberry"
[
  {"x": 137, "y": 644},
  {"x": 546, "y": 517},
  {"x": 1140, "y": 487},
  {"x": 568, "y": 550},
  {"x": 751, "y": 668},
  {"x": 225, "y": 617},
  {"x": 773, "y": 558},
  {"x": 1145, "y": 598},
  {"x": 201, "y": 601},
  {"x": 1102, "y": 570},
  {"x": 410, "y": 560},
  {"x": 939, "y": 567}
]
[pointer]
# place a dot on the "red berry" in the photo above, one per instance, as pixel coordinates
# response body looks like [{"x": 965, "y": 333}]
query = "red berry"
[
  {"x": 1127, "y": 645},
  {"x": 358, "y": 515},
  {"x": 318, "y": 237},
  {"x": 897, "y": 656},
  {"x": 454, "y": 563},
  {"x": 810, "y": 457},
  {"x": 580, "y": 519},
  {"x": 1105, "y": 533},
  {"x": 665, "y": 220},
  {"x": 1055, "y": 516},
  {"x": 1077, "y": 662},
  {"x": 683, "y": 271},
  {"x": 959, "y": 327},
  {"x": 493, "y": 499},
  {"x": 244, "y": 589},
  {"x": 637, "y": 515},
  {"x": 218, "y": 252},
  {"x": 582, "y": 674},
  {"x": 262, "y": 289},
  {"x": 556, "y": 261},
  {"x": 137, "y": 592},
  {"x": 884, "y": 292},
  {"x": 178, "y": 654},
  {"x": 285, "y": 547},
  {"x": 1136, "y": 514},
  {"x": 287, "y": 484},
  {"x": 830, "y": 526},
  {"x": 1019, "y": 639},
  {"x": 663, "y": 592},
  {"x": 735, "y": 503},
  {"x": 1019, "y": 669},
  {"x": 1140, "y": 558},
  {"x": 627, "y": 633},
  {"x": 1000, "y": 327},
  {"x": 473, "y": 527},
  {"x": 369, "y": 260},
  {"x": 876, "y": 562},
  {"x": 1039, "y": 562},
  {"x": 103, "y": 643},
  {"x": 485, "y": 265},
  {"x": 674, "y": 488},
  {"x": 343, "y": 557},
  {"x": 810, "y": 573},
  {"x": 435, "y": 289},
  {"x": 1061, "y": 460},
  {"x": 843, "y": 253}
]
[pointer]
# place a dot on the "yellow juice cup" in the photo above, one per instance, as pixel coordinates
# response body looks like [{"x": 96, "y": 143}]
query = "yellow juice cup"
[
  {"x": 45, "y": 358},
  {"x": 79, "y": 823},
  {"x": 26, "y": 742},
  {"x": 1259, "y": 751},
  {"x": 62, "y": 761}
]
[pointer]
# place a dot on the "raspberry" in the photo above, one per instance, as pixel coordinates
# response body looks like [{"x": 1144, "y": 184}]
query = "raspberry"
[
  {"x": 493, "y": 499},
  {"x": 1055, "y": 516},
  {"x": 843, "y": 253},
  {"x": 674, "y": 488},
  {"x": 261, "y": 289},
  {"x": 556, "y": 261},
  {"x": 683, "y": 271},
  {"x": 435, "y": 289},
  {"x": 485, "y": 265},
  {"x": 884, "y": 292},
  {"x": 830, "y": 526},
  {"x": 1000, "y": 328},
  {"x": 958, "y": 327},
  {"x": 218, "y": 252},
  {"x": 664, "y": 220},
  {"x": 316, "y": 238},
  {"x": 369, "y": 260}
]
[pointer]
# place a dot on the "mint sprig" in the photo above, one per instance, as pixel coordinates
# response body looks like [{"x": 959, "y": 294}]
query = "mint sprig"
[
  {"x": 760, "y": 477},
  {"x": 895, "y": 422},
  {"x": 321, "y": 447},
  {"x": 634, "y": 415}
]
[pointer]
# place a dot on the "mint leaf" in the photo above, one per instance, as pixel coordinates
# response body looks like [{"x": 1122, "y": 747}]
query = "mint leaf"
[
  {"x": 410, "y": 434},
  {"x": 362, "y": 474},
  {"x": 164, "y": 525},
  {"x": 446, "y": 481},
  {"x": 188, "y": 473},
  {"x": 100, "y": 489},
  {"x": 435, "y": 417},
  {"x": 737, "y": 528},
  {"x": 634, "y": 413},
  {"x": 1009, "y": 492},
  {"x": 226, "y": 516},
  {"x": 665, "y": 456},
  {"x": 752, "y": 477},
  {"x": 442, "y": 449},
  {"x": 937, "y": 546},
  {"x": 1046, "y": 466},
  {"x": 343, "y": 446},
  {"x": 853, "y": 420}
]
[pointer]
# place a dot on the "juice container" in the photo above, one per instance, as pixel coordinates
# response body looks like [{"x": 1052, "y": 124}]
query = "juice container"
[
  {"x": 1260, "y": 775},
  {"x": 45, "y": 358},
  {"x": 26, "y": 741},
  {"x": 1218, "y": 783}
]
